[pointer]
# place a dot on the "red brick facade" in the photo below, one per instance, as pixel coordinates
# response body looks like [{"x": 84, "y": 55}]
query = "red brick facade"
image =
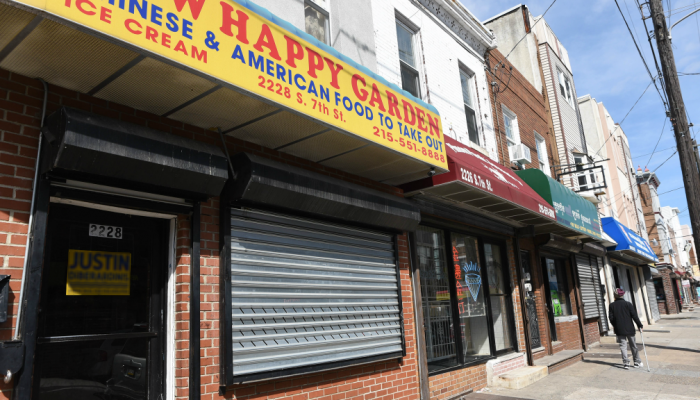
[
  {"x": 20, "y": 112},
  {"x": 520, "y": 97},
  {"x": 454, "y": 383},
  {"x": 670, "y": 306},
  {"x": 592, "y": 331},
  {"x": 569, "y": 334}
]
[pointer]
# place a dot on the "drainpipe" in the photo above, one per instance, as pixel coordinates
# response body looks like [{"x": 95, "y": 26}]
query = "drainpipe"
[{"x": 31, "y": 210}]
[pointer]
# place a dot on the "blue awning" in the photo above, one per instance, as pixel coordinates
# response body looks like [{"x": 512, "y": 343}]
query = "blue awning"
[{"x": 627, "y": 241}]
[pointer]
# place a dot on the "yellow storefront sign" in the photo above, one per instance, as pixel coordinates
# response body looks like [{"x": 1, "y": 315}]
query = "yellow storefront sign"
[
  {"x": 98, "y": 273},
  {"x": 243, "y": 44}
]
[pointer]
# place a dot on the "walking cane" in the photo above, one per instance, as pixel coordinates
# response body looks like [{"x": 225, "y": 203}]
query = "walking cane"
[{"x": 645, "y": 350}]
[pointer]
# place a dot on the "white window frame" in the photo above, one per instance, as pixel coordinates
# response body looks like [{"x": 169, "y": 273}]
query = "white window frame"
[
  {"x": 565, "y": 87},
  {"x": 323, "y": 11},
  {"x": 589, "y": 176},
  {"x": 542, "y": 156},
  {"x": 471, "y": 88},
  {"x": 400, "y": 21},
  {"x": 507, "y": 113}
]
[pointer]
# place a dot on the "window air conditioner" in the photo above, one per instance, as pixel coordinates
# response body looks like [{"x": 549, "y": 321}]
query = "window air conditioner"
[{"x": 520, "y": 153}]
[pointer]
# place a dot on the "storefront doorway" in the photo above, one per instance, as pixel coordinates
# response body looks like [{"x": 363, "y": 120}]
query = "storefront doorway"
[
  {"x": 530, "y": 305},
  {"x": 101, "y": 319}
]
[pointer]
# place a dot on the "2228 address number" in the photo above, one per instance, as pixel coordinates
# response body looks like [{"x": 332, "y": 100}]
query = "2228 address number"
[{"x": 103, "y": 231}]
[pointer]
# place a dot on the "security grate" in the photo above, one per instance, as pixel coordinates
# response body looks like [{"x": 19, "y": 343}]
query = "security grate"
[
  {"x": 306, "y": 292},
  {"x": 589, "y": 280}
]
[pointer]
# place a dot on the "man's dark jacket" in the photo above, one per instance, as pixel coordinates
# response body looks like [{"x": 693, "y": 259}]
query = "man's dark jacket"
[{"x": 621, "y": 313}]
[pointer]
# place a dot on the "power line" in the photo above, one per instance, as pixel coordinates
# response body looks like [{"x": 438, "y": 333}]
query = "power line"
[
  {"x": 673, "y": 190},
  {"x": 531, "y": 28},
  {"x": 674, "y": 153},
  {"x": 623, "y": 119},
  {"x": 657, "y": 143},
  {"x": 658, "y": 151}
]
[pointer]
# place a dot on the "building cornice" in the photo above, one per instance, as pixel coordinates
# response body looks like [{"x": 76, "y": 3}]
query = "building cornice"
[{"x": 462, "y": 23}]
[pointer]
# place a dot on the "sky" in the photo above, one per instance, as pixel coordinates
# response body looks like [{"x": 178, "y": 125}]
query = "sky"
[{"x": 607, "y": 66}]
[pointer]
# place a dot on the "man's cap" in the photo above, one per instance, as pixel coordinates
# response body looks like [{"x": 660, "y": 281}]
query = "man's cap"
[{"x": 619, "y": 292}]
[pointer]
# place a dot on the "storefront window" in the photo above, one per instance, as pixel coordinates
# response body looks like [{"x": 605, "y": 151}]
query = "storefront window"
[
  {"x": 558, "y": 288},
  {"x": 435, "y": 292},
  {"x": 500, "y": 297},
  {"x": 461, "y": 283},
  {"x": 659, "y": 286},
  {"x": 470, "y": 297}
]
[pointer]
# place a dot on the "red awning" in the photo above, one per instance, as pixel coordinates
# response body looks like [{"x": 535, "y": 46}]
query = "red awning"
[{"x": 477, "y": 181}]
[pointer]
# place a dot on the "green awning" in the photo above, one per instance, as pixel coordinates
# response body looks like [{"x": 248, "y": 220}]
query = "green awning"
[{"x": 573, "y": 211}]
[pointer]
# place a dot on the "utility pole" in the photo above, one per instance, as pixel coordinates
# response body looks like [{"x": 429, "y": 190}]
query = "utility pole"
[{"x": 678, "y": 116}]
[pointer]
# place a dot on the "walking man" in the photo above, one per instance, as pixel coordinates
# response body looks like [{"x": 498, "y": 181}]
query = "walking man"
[{"x": 621, "y": 314}]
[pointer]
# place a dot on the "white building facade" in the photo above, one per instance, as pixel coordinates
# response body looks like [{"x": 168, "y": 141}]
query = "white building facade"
[{"x": 441, "y": 45}]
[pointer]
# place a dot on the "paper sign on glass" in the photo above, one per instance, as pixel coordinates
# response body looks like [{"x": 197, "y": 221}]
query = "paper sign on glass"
[{"x": 98, "y": 273}]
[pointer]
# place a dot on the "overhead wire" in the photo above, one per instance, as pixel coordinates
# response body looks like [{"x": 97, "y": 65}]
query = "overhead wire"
[
  {"x": 623, "y": 119},
  {"x": 657, "y": 143},
  {"x": 658, "y": 151},
  {"x": 672, "y": 190}
]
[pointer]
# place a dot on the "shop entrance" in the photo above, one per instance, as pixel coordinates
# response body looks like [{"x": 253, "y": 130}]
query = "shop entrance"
[
  {"x": 530, "y": 305},
  {"x": 101, "y": 319}
]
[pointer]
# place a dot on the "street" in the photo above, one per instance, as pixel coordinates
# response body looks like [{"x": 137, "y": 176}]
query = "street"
[{"x": 674, "y": 359}]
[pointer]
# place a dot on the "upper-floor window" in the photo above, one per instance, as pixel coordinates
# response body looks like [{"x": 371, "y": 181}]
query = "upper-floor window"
[
  {"x": 407, "y": 57},
  {"x": 586, "y": 179},
  {"x": 467, "y": 97},
  {"x": 565, "y": 88},
  {"x": 510, "y": 124},
  {"x": 542, "y": 153},
  {"x": 316, "y": 20}
]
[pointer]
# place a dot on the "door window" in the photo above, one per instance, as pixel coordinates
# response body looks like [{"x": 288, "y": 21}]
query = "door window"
[
  {"x": 499, "y": 291},
  {"x": 435, "y": 293},
  {"x": 100, "y": 321},
  {"x": 470, "y": 293}
]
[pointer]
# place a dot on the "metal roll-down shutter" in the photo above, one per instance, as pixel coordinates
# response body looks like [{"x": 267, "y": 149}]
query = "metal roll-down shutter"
[
  {"x": 307, "y": 293},
  {"x": 596, "y": 267},
  {"x": 589, "y": 289},
  {"x": 651, "y": 293}
]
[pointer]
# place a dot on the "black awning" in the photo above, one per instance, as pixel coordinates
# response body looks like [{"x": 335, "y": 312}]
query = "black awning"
[
  {"x": 263, "y": 181},
  {"x": 86, "y": 144}
]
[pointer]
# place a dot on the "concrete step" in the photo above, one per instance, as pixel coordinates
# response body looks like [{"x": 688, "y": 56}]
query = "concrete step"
[
  {"x": 557, "y": 358},
  {"x": 521, "y": 377}
]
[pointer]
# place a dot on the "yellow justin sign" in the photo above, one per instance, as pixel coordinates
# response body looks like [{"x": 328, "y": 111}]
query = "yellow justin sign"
[
  {"x": 98, "y": 273},
  {"x": 243, "y": 44}
]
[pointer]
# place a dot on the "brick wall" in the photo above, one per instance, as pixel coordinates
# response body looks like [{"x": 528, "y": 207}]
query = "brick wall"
[
  {"x": 569, "y": 334},
  {"x": 520, "y": 97},
  {"x": 669, "y": 291},
  {"x": 453, "y": 383},
  {"x": 20, "y": 107},
  {"x": 592, "y": 331}
]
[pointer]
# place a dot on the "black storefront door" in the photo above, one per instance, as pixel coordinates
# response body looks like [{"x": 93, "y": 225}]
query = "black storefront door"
[
  {"x": 101, "y": 320},
  {"x": 530, "y": 305}
]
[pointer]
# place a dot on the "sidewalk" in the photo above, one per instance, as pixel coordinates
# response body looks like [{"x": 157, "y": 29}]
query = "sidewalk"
[{"x": 674, "y": 359}]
